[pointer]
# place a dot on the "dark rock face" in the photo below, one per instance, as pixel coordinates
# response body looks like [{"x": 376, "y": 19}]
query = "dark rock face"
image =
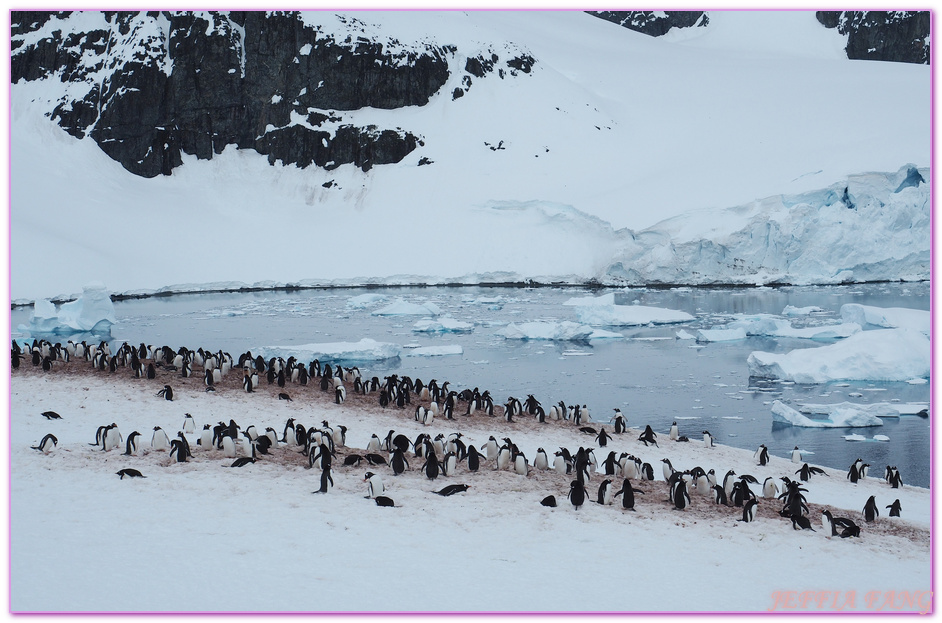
[
  {"x": 901, "y": 36},
  {"x": 155, "y": 85},
  {"x": 651, "y": 23}
]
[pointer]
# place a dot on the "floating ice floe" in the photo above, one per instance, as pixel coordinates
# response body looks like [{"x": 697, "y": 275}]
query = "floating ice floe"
[
  {"x": 366, "y": 349},
  {"x": 880, "y": 355},
  {"x": 791, "y": 310},
  {"x": 561, "y": 331},
  {"x": 765, "y": 324},
  {"x": 855, "y": 437},
  {"x": 445, "y": 324},
  {"x": 365, "y": 300},
  {"x": 435, "y": 351},
  {"x": 839, "y": 418},
  {"x": 400, "y": 307},
  {"x": 886, "y": 317},
  {"x": 602, "y": 311},
  {"x": 92, "y": 312},
  {"x": 683, "y": 335},
  {"x": 877, "y": 409},
  {"x": 880, "y": 438},
  {"x": 720, "y": 335}
]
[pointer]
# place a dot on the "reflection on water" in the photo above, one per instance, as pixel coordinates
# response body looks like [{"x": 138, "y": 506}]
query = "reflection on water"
[{"x": 651, "y": 376}]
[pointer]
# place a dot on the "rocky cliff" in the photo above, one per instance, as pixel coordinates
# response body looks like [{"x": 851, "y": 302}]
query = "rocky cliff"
[
  {"x": 901, "y": 36},
  {"x": 150, "y": 86}
]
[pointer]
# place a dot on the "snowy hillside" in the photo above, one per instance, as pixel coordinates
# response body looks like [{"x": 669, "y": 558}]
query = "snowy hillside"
[{"x": 562, "y": 172}]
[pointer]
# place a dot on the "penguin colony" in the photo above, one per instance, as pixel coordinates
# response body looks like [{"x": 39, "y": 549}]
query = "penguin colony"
[{"x": 441, "y": 455}]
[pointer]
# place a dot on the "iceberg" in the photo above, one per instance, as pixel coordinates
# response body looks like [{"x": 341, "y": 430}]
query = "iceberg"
[
  {"x": 629, "y": 315},
  {"x": 768, "y": 325},
  {"x": 879, "y": 409},
  {"x": 791, "y": 310},
  {"x": 879, "y": 355},
  {"x": 445, "y": 324},
  {"x": 435, "y": 351},
  {"x": 721, "y": 335},
  {"x": 366, "y": 349},
  {"x": 365, "y": 300},
  {"x": 838, "y": 418},
  {"x": 401, "y": 307},
  {"x": 92, "y": 312},
  {"x": 887, "y": 317},
  {"x": 561, "y": 331}
]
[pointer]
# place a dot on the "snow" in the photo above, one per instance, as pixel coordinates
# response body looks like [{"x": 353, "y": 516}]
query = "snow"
[
  {"x": 367, "y": 349},
  {"x": 611, "y": 315},
  {"x": 839, "y": 416},
  {"x": 365, "y": 300},
  {"x": 445, "y": 324},
  {"x": 243, "y": 529},
  {"x": 886, "y": 317},
  {"x": 791, "y": 310},
  {"x": 92, "y": 311},
  {"x": 766, "y": 324},
  {"x": 401, "y": 307},
  {"x": 880, "y": 355},
  {"x": 561, "y": 331},
  {"x": 879, "y": 409},
  {"x": 760, "y": 199}
]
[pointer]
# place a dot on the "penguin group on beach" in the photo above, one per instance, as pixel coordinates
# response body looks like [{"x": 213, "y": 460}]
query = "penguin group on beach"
[{"x": 434, "y": 456}]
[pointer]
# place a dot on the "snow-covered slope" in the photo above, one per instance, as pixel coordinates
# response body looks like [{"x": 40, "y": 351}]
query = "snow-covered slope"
[{"x": 534, "y": 177}]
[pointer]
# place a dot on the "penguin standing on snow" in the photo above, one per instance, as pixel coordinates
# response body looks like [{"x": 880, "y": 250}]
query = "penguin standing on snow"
[
  {"x": 763, "y": 455},
  {"x": 47, "y": 445},
  {"x": 707, "y": 439},
  {"x": 681, "y": 498},
  {"x": 769, "y": 488},
  {"x": 160, "y": 441},
  {"x": 132, "y": 446},
  {"x": 674, "y": 432},
  {"x": 375, "y": 485},
  {"x": 605, "y": 495},
  {"x": 541, "y": 461},
  {"x": 620, "y": 424},
  {"x": 749, "y": 511},
  {"x": 325, "y": 480},
  {"x": 577, "y": 493},
  {"x": 474, "y": 459},
  {"x": 189, "y": 425},
  {"x": 166, "y": 393},
  {"x": 627, "y": 494},
  {"x": 796, "y": 455},
  {"x": 870, "y": 510},
  {"x": 827, "y": 522},
  {"x": 895, "y": 508},
  {"x": 177, "y": 451}
]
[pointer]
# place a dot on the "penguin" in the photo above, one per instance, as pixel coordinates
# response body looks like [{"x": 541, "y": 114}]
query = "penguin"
[
  {"x": 189, "y": 425},
  {"x": 166, "y": 393},
  {"x": 47, "y": 445},
  {"x": 431, "y": 467},
  {"x": 325, "y": 480},
  {"x": 719, "y": 495},
  {"x": 452, "y": 489},
  {"x": 474, "y": 459},
  {"x": 603, "y": 438},
  {"x": 228, "y": 447},
  {"x": 647, "y": 472},
  {"x": 521, "y": 466},
  {"x": 160, "y": 441},
  {"x": 492, "y": 449},
  {"x": 340, "y": 394},
  {"x": 51, "y": 415},
  {"x": 800, "y": 522},
  {"x": 895, "y": 508},
  {"x": 762, "y": 454},
  {"x": 177, "y": 450},
  {"x": 397, "y": 461},
  {"x": 503, "y": 458},
  {"x": 827, "y": 522},
  {"x": 769, "y": 488},
  {"x": 870, "y": 510},
  {"x": 576, "y": 493},
  {"x": 852, "y": 474},
  {"x": 707, "y": 439},
  {"x": 375, "y": 459},
  {"x": 449, "y": 463},
  {"x": 681, "y": 498},
  {"x": 605, "y": 495},
  {"x": 667, "y": 469},
  {"x": 132, "y": 447},
  {"x": 374, "y": 444},
  {"x": 375, "y": 485},
  {"x": 796, "y": 455},
  {"x": 648, "y": 436},
  {"x": 628, "y": 495},
  {"x": 849, "y": 528},
  {"x": 130, "y": 473},
  {"x": 620, "y": 424},
  {"x": 674, "y": 432},
  {"x": 206, "y": 438},
  {"x": 242, "y": 461},
  {"x": 749, "y": 511},
  {"x": 541, "y": 461},
  {"x": 549, "y": 500}
]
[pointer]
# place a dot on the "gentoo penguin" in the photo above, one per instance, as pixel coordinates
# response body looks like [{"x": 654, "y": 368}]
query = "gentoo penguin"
[
  {"x": 375, "y": 485},
  {"x": 610, "y": 465},
  {"x": 769, "y": 488},
  {"x": 627, "y": 493},
  {"x": 374, "y": 445},
  {"x": 206, "y": 438},
  {"x": 228, "y": 447},
  {"x": 647, "y": 472},
  {"x": 648, "y": 436},
  {"x": 749, "y": 511},
  {"x": 895, "y": 508},
  {"x": 796, "y": 455},
  {"x": 382, "y": 500},
  {"x": 177, "y": 451},
  {"x": 620, "y": 424},
  {"x": 189, "y": 425},
  {"x": 576, "y": 493},
  {"x": 325, "y": 480},
  {"x": 474, "y": 459},
  {"x": 521, "y": 466},
  {"x": 800, "y": 522},
  {"x": 340, "y": 394},
  {"x": 449, "y": 464},
  {"x": 681, "y": 498},
  {"x": 605, "y": 494},
  {"x": 432, "y": 466},
  {"x": 397, "y": 461},
  {"x": 549, "y": 500},
  {"x": 807, "y": 471},
  {"x": 849, "y": 528},
  {"x": 675, "y": 432},
  {"x": 827, "y": 522},
  {"x": 375, "y": 459},
  {"x": 492, "y": 449},
  {"x": 130, "y": 473},
  {"x": 132, "y": 447},
  {"x": 762, "y": 454},
  {"x": 160, "y": 441},
  {"x": 242, "y": 461},
  {"x": 166, "y": 393},
  {"x": 47, "y": 445},
  {"x": 870, "y": 510},
  {"x": 667, "y": 469},
  {"x": 541, "y": 461},
  {"x": 51, "y": 415},
  {"x": 503, "y": 458},
  {"x": 719, "y": 495},
  {"x": 707, "y": 439},
  {"x": 452, "y": 489}
]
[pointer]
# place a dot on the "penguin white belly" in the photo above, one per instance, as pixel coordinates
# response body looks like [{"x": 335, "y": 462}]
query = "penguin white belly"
[{"x": 228, "y": 447}]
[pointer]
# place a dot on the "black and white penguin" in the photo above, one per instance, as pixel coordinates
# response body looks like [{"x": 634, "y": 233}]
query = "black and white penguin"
[
  {"x": 796, "y": 455},
  {"x": 51, "y": 415},
  {"x": 47, "y": 445},
  {"x": 242, "y": 461},
  {"x": 628, "y": 495},
  {"x": 492, "y": 449},
  {"x": 549, "y": 500},
  {"x": 762, "y": 454},
  {"x": 325, "y": 481},
  {"x": 503, "y": 458},
  {"x": 674, "y": 432},
  {"x": 206, "y": 438},
  {"x": 375, "y": 484},
  {"x": 895, "y": 508},
  {"x": 166, "y": 393},
  {"x": 177, "y": 451},
  {"x": 132, "y": 447},
  {"x": 800, "y": 522},
  {"x": 719, "y": 495},
  {"x": 449, "y": 463},
  {"x": 452, "y": 489},
  {"x": 667, "y": 469},
  {"x": 707, "y": 439},
  {"x": 827, "y": 522},
  {"x": 852, "y": 474},
  {"x": 870, "y": 510},
  {"x": 769, "y": 488},
  {"x": 540, "y": 460},
  {"x": 603, "y": 438},
  {"x": 648, "y": 436},
  {"x": 620, "y": 424},
  {"x": 605, "y": 494},
  {"x": 647, "y": 472},
  {"x": 130, "y": 473},
  {"x": 382, "y": 500},
  {"x": 749, "y": 511},
  {"x": 160, "y": 441},
  {"x": 189, "y": 425},
  {"x": 398, "y": 462},
  {"x": 474, "y": 459},
  {"x": 432, "y": 466},
  {"x": 681, "y": 498},
  {"x": 576, "y": 493},
  {"x": 340, "y": 394}
]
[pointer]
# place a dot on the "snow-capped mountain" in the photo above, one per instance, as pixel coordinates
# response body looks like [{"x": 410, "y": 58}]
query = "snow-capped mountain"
[{"x": 156, "y": 148}]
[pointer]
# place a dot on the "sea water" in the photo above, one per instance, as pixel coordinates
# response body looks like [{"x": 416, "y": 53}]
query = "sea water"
[{"x": 649, "y": 374}]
